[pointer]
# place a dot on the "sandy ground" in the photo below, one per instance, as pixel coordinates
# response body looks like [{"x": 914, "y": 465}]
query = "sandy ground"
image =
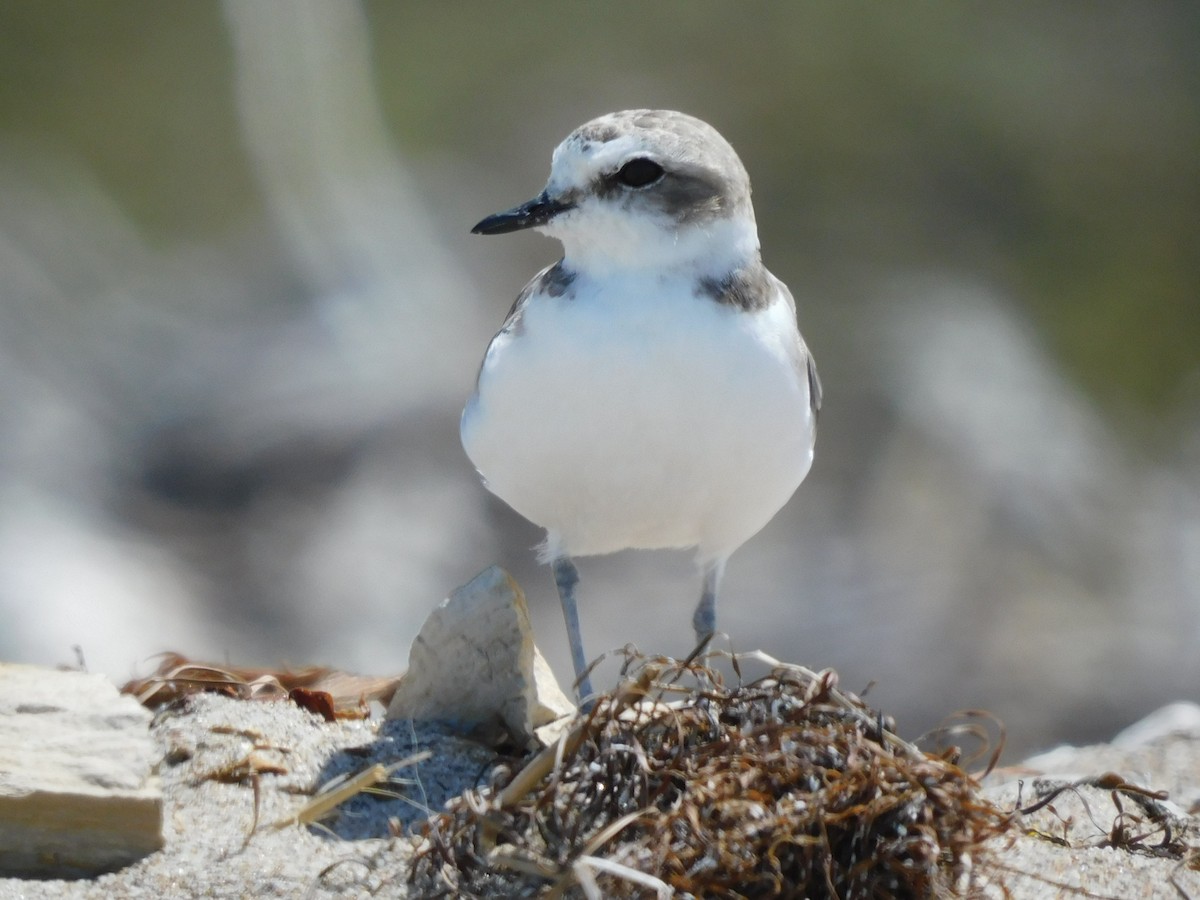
[{"x": 213, "y": 848}]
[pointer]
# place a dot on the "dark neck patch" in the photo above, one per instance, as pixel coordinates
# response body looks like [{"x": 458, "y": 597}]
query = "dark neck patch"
[
  {"x": 553, "y": 281},
  {"x": 749, "y": 287}
]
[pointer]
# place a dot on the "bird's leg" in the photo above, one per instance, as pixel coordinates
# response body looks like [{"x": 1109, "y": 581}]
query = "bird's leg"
[
  {"x": 566, "y": 576},
  {"x": 705, "y": 618}
]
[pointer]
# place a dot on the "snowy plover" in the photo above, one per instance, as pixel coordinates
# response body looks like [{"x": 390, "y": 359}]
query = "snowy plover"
[{"x": 650, "y": 389}]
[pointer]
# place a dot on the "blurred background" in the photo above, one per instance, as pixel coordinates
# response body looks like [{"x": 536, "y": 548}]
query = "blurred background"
[{"x": 240, "y": 311}]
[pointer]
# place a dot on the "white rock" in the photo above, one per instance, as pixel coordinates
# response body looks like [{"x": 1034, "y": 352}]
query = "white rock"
[
  {"x": 475, "y": 666},
  {"x": 1175, "y": 718},
  {"x": 77, "y": 793}
]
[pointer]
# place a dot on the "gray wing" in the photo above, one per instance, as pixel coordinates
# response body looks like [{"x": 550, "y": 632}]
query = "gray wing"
[
  {"x": 803, "y": 359},
  {"x": 814, "y": 383}
]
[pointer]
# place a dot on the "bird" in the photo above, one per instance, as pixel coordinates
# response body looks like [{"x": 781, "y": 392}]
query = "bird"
[{"x": 651, "y": 389}]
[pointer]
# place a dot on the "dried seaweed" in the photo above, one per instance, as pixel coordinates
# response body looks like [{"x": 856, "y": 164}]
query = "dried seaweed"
[
  {"x": 1130, "y": 830},
  {"x": 782, "y": 786},
  {"x": 324, "y": 691}
]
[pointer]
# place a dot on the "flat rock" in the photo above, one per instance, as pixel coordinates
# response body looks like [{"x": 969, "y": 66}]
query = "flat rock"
[
  {"x": 474, "y": 666},
  {"x": 77, "y": 793}
]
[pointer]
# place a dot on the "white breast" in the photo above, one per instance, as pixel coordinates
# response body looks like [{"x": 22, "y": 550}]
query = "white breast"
[{"x": 638, "y": 415}]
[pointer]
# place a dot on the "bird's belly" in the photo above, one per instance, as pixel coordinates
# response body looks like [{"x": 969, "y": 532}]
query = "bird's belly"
[{"x": 642, "y": 434}]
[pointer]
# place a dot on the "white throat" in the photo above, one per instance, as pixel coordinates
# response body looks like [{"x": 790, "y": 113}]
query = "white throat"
[{"x": 601, "y": 241}]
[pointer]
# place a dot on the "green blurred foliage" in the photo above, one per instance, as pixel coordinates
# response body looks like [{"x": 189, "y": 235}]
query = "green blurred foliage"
[
  {"x": 142, "y": 92},
  {"x": 1053, "y": 149}
]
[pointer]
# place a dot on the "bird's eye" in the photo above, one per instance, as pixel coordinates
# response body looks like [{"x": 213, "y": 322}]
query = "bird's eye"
[{"x": 639, "y": 172}]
